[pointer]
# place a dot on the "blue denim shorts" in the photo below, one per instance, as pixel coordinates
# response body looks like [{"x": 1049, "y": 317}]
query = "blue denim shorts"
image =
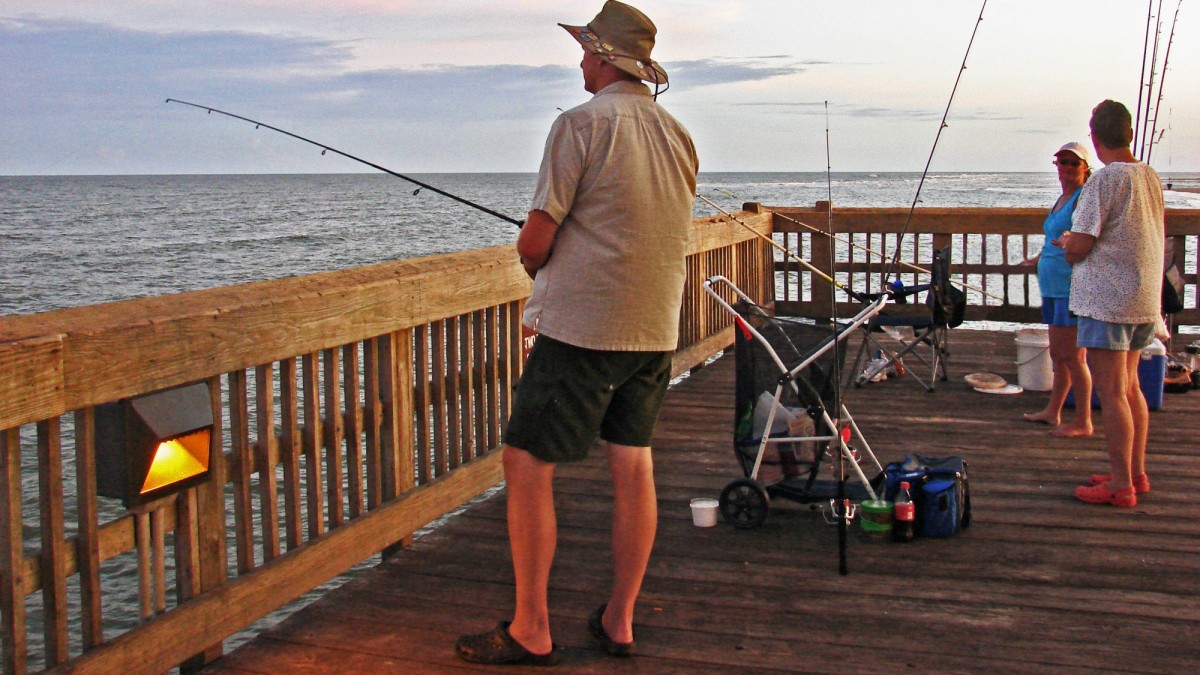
[
  {"x": 1057, "y": 312},
  {"x": 1121, "y": 337},
  {"x": 569, "y": 395}
]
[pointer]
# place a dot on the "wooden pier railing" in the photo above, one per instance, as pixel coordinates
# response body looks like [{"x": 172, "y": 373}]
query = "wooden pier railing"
[
  {"x": 988, "y": 246},
  {"x": 352, "y": 408}
]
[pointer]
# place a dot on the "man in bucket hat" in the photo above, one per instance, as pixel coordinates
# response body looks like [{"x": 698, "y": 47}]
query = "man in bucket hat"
[{"x": 605, "y": 242}]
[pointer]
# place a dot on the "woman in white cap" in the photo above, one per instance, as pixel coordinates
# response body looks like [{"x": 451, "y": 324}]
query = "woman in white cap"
[{"x": 1054, "y": 279}]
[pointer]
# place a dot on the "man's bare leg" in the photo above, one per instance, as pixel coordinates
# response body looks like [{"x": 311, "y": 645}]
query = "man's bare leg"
[{"x": 635, "y": 521}]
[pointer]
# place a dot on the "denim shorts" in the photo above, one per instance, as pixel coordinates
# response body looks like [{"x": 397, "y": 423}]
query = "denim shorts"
[
  {"x": 568, "y": 395},
  {"x": 1121, "y": 337},
  {"x": 1057, "y": 312}
]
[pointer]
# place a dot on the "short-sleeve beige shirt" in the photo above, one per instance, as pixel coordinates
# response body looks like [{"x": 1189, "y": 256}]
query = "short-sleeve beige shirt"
[{"x": 619, "y": 176}]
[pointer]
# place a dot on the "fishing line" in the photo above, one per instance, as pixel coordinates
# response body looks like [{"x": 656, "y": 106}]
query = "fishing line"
[
  {"x": 783, "y": 249},
  {"x": 347, "y": 155},
  {"x": 917, "y": 197},
  {"x": 93, "y": 142},
  {"x": 853, "y": 244}
]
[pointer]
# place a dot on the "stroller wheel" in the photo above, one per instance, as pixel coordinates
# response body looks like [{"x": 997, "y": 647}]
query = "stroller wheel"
[{"x": 744, "y": 504}]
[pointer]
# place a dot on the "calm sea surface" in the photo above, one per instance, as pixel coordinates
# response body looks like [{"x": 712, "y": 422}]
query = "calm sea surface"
[
  {"x": 77, "y": 240},
  {"x": 69, "y": 241}
]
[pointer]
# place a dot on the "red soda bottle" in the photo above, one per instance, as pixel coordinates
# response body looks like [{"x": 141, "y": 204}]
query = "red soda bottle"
[{"x": 903, "y": 515}]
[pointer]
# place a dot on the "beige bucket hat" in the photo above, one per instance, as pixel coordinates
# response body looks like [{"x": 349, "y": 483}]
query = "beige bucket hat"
[{"x": 624, "y": 36}]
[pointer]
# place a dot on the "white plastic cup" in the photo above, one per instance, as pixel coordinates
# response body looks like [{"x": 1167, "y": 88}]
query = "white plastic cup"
[{"x": 704, "y": 512}]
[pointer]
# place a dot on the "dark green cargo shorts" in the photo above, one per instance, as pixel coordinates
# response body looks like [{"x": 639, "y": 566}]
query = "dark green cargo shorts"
[{"x": 568, "y": 395}]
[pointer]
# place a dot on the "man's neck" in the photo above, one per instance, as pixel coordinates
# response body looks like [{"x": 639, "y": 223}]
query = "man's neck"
[{"x": 1109, "y": 155}]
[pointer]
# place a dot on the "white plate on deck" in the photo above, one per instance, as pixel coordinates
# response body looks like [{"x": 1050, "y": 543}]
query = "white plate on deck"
[{"x": 1006, "y": 389}]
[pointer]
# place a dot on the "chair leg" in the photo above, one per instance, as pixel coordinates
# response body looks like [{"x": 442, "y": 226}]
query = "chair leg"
[{"x": 856, "y": 372}]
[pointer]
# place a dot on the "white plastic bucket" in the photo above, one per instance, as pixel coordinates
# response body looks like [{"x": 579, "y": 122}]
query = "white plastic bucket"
[
  {"x": 1034, "y": 371},
  {"x": 704, "y": 512}
]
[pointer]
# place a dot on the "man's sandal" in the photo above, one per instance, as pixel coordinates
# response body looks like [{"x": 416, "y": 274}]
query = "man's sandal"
[
  {"x": 596, "y": 627},
  {"x": 497, "y": 647}
]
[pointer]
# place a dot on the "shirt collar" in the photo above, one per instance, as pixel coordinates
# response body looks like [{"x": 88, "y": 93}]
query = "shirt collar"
[{"x": 625, "y": 87}]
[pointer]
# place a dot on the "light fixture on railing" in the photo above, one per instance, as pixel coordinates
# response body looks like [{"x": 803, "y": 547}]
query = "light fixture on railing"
[{"x": 155, "y": 445}]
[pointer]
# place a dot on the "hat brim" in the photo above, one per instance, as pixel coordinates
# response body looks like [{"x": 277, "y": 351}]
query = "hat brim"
[
  {"x": 643, "y": 69},
  {"x": 1074, "y": 154}
]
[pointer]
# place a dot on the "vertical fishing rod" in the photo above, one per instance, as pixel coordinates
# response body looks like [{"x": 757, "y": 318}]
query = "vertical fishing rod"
[
  {"x": 929, "y": 161},
  {"x": 360, "y": 160},
  {"x": 842, "y": 503},
  {"x": 1141, "y": 144},
  {"x": 1137, "y": 119},
  {"x": 1162, "y": 80}
]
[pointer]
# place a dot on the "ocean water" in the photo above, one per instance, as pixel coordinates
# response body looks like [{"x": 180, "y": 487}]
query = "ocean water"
[{"x": 70, "y": 241}]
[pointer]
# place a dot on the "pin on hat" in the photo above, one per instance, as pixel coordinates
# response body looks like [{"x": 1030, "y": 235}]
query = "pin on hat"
[{"x": 624, "y": 36}]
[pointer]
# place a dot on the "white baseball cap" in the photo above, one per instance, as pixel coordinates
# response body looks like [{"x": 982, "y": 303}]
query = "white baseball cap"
[{"x": 1077, "y": 149}]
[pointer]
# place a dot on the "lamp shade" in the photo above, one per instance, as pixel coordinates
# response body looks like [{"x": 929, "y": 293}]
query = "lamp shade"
[{"x": 152, "y": 446}]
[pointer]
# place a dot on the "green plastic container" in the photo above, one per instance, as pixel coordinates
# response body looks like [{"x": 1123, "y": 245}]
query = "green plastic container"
[{"x": 876, "y": 518}]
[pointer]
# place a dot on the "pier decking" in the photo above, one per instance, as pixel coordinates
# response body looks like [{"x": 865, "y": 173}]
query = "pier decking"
[{"x": 1040, "y": 582}]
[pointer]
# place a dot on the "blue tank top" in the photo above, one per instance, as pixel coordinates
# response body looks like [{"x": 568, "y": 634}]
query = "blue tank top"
[{"x": 1054, "y": 272}]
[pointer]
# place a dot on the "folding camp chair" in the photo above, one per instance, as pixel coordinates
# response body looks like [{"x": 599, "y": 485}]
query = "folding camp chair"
[
  {"x": 787, "y": 369},
  {"x": 943, "y": 308}
]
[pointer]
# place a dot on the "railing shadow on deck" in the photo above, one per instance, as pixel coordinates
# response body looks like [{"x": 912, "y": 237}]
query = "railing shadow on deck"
[{"x": 352, "y": 408}]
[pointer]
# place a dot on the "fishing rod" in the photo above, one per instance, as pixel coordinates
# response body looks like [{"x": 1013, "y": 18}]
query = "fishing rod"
[
  {"x": 1161, "y": 82},
  {"x": 853, "y": 244},
  {"x": 1141, "y": 143},
  {"x": 844, "y": 515},
  {"x": 347, "y": 155},
  {"x": 917, "y": 197},
  {"x": 787, "y": 253},
  {"x": 1137, "y": 120}
]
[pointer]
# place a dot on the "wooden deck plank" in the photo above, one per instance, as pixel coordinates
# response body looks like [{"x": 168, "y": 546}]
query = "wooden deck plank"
[{"x": 1039, "y": 582}]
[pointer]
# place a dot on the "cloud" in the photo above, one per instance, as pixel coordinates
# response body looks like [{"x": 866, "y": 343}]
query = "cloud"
[
  {"x": 708, "y": 72},
  {"x": 877, "y": 112},
  {"x": 110, "y": 68}
]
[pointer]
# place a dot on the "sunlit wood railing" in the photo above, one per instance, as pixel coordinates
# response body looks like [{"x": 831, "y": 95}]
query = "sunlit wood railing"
[
  {"x": 988, "y": 247},
  {"x": 352, "y": 409}
]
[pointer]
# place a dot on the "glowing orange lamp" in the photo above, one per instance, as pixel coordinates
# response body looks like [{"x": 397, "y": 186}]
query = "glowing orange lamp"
[{"x": 153, "y": 446}]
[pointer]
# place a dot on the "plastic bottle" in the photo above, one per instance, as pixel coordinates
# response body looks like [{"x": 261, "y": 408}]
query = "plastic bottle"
[{"x": 903, "y": 515}]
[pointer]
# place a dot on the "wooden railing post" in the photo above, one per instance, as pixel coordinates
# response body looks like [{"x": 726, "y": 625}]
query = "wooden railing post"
[
  {"x": 821, "y": 247},
  {"x": 210, "y": 525},
  {"x": 12, "y": 558}
]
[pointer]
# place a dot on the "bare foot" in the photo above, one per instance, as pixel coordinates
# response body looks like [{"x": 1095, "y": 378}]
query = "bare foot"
[
  {"x": 1043, "y": 417},
  {"x": 1072, "y": 430}
]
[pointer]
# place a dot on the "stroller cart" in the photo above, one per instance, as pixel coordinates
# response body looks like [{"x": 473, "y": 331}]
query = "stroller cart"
[{"x": 787, "y": 371}]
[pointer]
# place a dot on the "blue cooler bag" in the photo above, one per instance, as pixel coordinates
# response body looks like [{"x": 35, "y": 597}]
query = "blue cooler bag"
[
  {"x": 941, "y": 514},
  {"x": 940, "y": 490}
]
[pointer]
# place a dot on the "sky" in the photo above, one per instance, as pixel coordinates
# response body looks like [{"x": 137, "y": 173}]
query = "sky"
[{"x": 473, "y": 85}]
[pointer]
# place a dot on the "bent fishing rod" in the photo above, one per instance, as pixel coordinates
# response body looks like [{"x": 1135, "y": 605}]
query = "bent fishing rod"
[{"x": 360, "y": 160}]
